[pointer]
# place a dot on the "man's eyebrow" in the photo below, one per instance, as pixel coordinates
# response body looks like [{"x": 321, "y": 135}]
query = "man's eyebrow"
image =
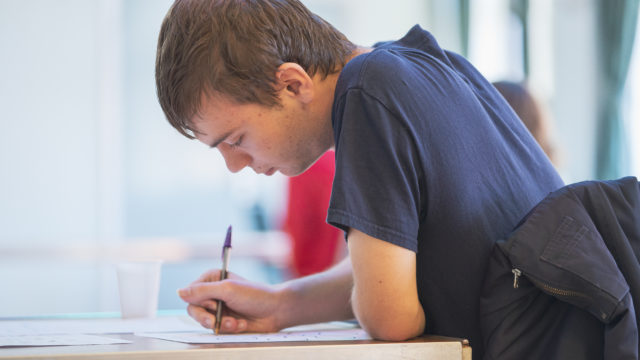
[{"x": 220, "y": 139}]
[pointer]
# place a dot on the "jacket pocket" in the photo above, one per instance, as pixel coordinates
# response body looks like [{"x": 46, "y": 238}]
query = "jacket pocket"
[{"x": 577, "y": 248}]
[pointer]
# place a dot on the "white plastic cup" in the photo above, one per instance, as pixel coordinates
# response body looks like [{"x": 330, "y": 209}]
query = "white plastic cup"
[{"x": 138, "y": 284}]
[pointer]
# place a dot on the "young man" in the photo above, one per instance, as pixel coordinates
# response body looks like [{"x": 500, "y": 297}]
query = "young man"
[{"x": 432, "y": 166}]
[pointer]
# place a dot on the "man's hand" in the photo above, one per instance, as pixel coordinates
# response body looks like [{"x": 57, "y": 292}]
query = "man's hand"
[
  {"x": 248, "y": 307},
  {"x": 385, "y": 294}
]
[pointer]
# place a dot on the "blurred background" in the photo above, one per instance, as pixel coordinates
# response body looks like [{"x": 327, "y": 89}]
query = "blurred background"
[{"x": 91, "y": 173}]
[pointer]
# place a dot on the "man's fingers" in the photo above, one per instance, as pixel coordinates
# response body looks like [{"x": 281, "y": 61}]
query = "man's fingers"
[
  {"x": 201, "y": 315},
  {"x": 210, "y": 305},
  {"x": 213, "y": 275},
  {"x": 208, "y": 276},
  {"x": 201, "y": 292},
  {"x": 231, "y": 325},
  {"x": 228, "y": 325}
]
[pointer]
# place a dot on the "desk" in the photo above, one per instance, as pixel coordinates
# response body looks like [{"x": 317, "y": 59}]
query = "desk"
[{"x": 428, "y": 347}]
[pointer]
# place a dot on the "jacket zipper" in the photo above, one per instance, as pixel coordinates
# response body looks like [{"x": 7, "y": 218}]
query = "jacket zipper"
[
  {"x": 516, "y": 277},
  {"x": 553, "y": 290}
]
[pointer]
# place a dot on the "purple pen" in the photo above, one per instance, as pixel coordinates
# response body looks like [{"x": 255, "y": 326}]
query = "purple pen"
[{"x": 226, "y": 249}]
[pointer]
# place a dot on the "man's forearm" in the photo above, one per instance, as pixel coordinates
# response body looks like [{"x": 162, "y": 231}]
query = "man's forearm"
[
  {"x": 318, "y": 298},
  {"x": 385, "y": 297}
]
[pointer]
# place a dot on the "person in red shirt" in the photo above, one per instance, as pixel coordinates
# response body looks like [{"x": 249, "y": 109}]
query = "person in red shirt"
[{"x": 315, "y": 244}]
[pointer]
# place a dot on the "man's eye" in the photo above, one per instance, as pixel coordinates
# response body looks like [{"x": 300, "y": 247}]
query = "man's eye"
[{"x": 237, "y": 143}]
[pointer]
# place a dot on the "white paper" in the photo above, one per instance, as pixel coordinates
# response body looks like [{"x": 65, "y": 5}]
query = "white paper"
[
  {"x": 207, "y": 337},
  {"x": 332, "y": 325},
  {"x": 97, "y": 326},
  {"x": 57, "y": 340}
]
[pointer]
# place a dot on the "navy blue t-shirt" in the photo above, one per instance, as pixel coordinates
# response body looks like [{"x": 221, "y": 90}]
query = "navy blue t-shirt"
[{"x": 431, "y": 158}]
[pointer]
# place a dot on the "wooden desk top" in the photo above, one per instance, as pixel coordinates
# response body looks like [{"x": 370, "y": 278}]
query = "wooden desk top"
[{"x": 427, "y": 347}]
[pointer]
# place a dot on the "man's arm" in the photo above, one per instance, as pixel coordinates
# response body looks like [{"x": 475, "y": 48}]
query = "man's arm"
[
  {"x": 252, "y": 307},
  {"x": 320, "y": 297},
  {"x": 385, "y": 294},
  {"x": 377, "y": 283}
]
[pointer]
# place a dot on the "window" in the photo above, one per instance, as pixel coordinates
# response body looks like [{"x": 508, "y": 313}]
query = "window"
[{"x": 632, "y": 110}]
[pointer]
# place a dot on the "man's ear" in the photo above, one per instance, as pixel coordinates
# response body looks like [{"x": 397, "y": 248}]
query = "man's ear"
[{"x": 294, "y": 81}]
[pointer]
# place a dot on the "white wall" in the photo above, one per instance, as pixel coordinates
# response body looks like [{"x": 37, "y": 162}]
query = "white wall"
[
  {"x": 48, "y": 102},
  {"x": 366, "y": 22}
]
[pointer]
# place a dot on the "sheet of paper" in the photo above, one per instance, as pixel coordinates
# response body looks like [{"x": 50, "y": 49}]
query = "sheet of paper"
[
  {"x": 332, "y": 325},
  {"x": 56, "y": 340},
  {"x": 97, "y": 326},
  {"x": 207, "y": 337}
]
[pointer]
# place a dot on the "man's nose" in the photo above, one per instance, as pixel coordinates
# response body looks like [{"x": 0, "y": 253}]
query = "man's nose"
[{"x": 235, "y": 159}]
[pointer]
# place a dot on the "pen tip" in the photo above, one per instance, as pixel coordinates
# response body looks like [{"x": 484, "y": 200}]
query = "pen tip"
[{"x": 227, "y": 240}]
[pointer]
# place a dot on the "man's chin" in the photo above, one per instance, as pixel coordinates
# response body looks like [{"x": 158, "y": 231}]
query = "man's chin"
[
  {"x": 296, "y": 170},
  {"x": 287, "y": 172},
  {"x": 291, "y": 172}
]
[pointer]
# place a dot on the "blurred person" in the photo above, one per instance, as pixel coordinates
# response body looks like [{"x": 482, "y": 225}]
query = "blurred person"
[
  {"x": 315, "y": 244},
  {"x": 431, "y": 165},
  {"x": 529, "y": 111}
]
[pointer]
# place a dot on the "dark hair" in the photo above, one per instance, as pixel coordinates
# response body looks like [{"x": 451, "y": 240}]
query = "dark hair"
[
  {"x": 234, "y": 47},
  {"x": 528, "y": 110}
]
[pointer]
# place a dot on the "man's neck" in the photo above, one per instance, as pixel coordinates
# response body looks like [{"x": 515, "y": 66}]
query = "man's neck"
[
  {"x": 324, "y": 95},
  {"x": 359, "y": 51}
]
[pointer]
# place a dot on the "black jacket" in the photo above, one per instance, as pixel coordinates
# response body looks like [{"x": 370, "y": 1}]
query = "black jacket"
[{"x": 565, "y": 283}]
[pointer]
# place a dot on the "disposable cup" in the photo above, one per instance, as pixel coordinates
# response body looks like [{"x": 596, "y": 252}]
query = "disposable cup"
[{"x": 138, "y": 285}]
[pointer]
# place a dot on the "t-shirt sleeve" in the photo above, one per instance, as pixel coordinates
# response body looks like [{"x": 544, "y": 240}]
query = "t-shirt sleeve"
[{"x": 376, "y": 186}]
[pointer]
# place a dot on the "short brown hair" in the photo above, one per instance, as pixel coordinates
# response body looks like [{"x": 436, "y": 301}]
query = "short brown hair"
[{"x": 234, "y": 47}]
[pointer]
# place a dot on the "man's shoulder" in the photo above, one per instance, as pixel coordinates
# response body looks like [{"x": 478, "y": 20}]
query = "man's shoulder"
[
  {"x": 398, "y": 61},
  {"x": 385, "y": 62},
  {"x": 384, "y": 68}
]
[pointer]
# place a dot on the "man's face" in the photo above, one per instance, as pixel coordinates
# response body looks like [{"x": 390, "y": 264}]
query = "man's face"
[{"x": 266, "y": 139}]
